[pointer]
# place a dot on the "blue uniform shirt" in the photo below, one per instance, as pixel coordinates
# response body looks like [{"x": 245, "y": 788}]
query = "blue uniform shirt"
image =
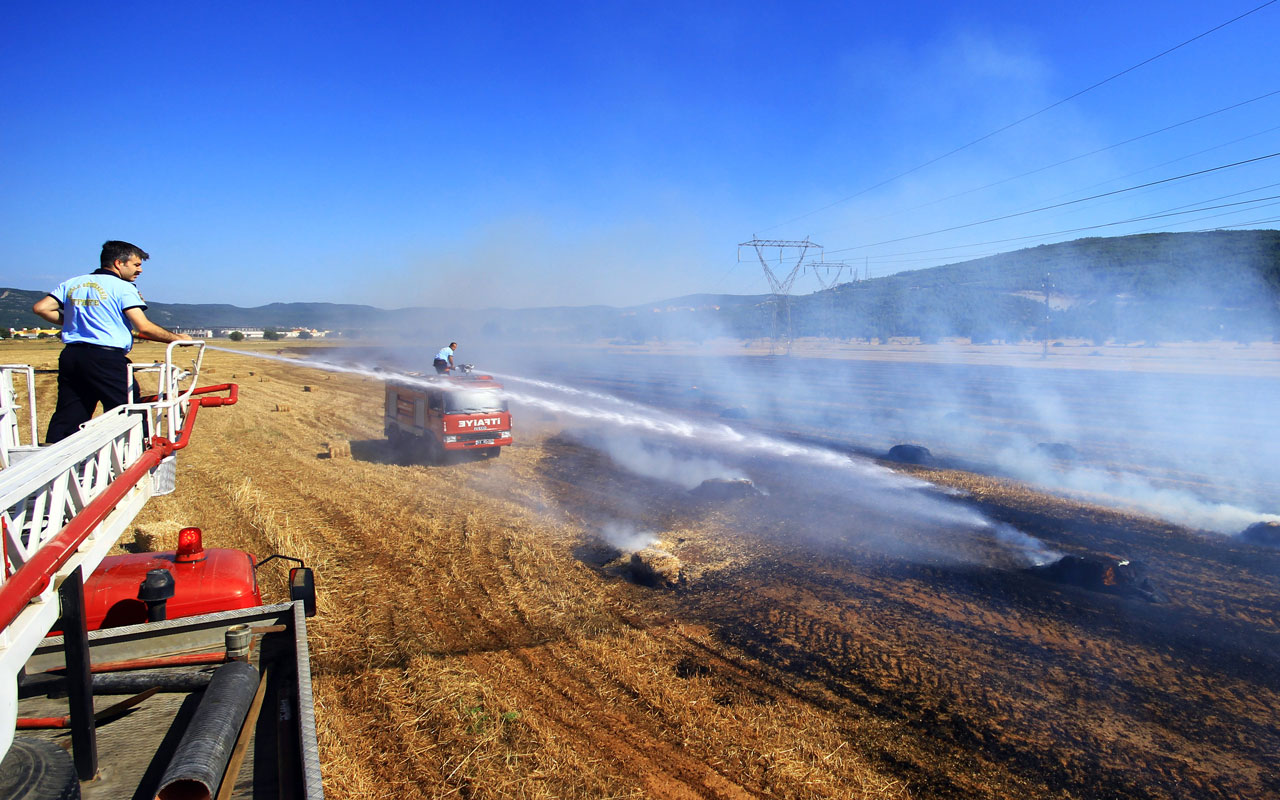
[
  {"x": 93, "y": 309},
  {"x": 445, "y": 354}
]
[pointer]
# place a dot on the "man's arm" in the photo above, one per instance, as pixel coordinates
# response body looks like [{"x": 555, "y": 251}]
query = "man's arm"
[
  {"x": 149, "y": 329},
  {"x": 49, "y": 309}
]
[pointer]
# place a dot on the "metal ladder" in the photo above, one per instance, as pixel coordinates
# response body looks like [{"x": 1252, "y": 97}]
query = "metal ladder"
[{"x": 63, "y": 506}]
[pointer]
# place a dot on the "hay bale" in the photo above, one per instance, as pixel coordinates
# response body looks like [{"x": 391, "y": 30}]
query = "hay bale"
[
  {"x": 306, "y": 388},
  {"x": 1059, "y": 451},
  {"x": 910, "y": 454},
  {"x": 724, "y": 489},
  {"x": 340, "y": 450},
  {"x": 281, "y": 407},
  {"x": 1102, "y": 574},
  {"x": 656, "y": 568}
]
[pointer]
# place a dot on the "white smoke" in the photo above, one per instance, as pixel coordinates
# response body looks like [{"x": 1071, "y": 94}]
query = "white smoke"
[
  {"x": 652, "y": 461},
  {"x": 626, "y": 537},
  {"x": 1028, "y": 549}
]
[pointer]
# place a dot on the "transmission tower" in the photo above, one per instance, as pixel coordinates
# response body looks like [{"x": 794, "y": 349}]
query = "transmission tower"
[
  {"x": 780, "y": 286},
  {"x": 833, "y": 270}
]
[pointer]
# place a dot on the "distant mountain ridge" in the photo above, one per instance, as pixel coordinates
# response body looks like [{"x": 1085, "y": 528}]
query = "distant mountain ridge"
[{"x": 1165, "y": 285}]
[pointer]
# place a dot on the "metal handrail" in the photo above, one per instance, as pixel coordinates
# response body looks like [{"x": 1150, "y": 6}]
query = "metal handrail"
[{"x": 64, "y": 506}]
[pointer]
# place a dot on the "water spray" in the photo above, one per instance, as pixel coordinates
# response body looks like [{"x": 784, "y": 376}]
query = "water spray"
[{"x": 646, "y": 419}]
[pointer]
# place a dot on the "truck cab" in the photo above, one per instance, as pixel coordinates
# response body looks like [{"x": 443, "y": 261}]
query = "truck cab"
[{"x": 448, "y": 416}]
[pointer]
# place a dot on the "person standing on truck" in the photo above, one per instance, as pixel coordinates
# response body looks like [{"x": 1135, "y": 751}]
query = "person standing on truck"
[
  {"x": 444, "y": 359},
  {"x": 95, "y": 312}
]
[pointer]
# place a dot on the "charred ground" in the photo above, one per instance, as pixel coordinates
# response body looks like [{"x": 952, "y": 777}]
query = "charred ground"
[{"x": 472, "y": 642}]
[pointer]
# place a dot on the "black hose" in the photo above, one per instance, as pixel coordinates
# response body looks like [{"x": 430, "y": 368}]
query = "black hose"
[{"x": 198, "y": 763}]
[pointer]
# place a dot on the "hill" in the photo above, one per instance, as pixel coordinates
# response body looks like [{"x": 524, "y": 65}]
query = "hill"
[{"x": 1220, "y": 284}]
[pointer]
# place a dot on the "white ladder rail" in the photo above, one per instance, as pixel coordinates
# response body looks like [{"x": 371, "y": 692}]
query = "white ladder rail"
[{"x": 41, "y": 492}]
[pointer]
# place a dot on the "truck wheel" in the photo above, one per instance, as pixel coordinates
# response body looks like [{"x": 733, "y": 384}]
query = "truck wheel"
[{"x": 35, "y": 769}]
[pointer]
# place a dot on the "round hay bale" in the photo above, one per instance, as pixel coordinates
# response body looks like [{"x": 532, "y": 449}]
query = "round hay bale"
[
  {"x": 281, "y": 407},
  {"x": 724, "y": 489},
  {"x": 1266, "y": 534},
  {"x": 340, "y": 450},
  {"x": 656, "y": 568},
  {"x": 910, "y": 454},
  {"x": 1059, "y": 451},
  {"x": 1102, "y": 574}
]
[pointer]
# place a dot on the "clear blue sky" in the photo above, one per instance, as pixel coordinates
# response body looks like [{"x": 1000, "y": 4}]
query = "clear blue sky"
[{"x": 524, "y": 154}]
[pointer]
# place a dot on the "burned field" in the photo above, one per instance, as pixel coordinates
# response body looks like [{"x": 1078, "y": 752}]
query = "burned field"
[
  {"x": 1207, "y": 435},
  {"x": 490, "y": 629},
  {"x": 969, "y": 674}
]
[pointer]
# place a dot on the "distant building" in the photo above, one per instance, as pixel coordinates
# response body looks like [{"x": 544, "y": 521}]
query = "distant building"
[
  {"x": 32, "y": 333},
  {"x": 257, "y": 333}
]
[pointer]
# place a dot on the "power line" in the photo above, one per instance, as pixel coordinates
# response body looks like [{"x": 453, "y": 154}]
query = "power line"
[
  {"x": 885, "y": 257},
  {"x": 1058, "y": 205},
  {"x": 1026, "y": 118},
  {"x": 1093, "y": 153}
]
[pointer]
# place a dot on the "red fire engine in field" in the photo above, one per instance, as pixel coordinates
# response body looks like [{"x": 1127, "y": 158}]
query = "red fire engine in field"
[{"x": 448, "y": 415}]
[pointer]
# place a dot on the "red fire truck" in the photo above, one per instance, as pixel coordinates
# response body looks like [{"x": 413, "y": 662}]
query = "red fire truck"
[
  {"x": 211, "y": 676},
  {"x": 448, "y": 416}
]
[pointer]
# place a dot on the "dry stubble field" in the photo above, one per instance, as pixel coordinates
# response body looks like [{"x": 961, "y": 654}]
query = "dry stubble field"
[{"x": 474, "y": 639}]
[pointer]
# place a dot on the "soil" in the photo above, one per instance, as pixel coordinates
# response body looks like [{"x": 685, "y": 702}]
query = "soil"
[{"x": 473, "y": 639}]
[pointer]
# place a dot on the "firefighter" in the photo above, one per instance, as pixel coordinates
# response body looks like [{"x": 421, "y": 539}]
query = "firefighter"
[
  {"x": 444, "y": 359},
  {"x": 95, "y": 312}
]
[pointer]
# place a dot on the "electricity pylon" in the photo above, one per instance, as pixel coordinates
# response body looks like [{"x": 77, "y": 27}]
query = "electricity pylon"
[
  {"x": 828, "y": 281},
  {"x": 780, "y": 286}
]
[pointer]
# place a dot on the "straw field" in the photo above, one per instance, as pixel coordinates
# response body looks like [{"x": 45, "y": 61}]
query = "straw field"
[{"x": 476, "y": 638}]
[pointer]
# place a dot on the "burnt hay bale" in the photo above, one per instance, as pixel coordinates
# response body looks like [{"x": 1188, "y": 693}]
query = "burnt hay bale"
[
  {"x": 910, "y": 454},
  {"x": 1060, "y": 451},
  {"x": 724, "y": 489},
  {"x": 1102, "y": 574},
  {"x": 1266, "y": 534}
]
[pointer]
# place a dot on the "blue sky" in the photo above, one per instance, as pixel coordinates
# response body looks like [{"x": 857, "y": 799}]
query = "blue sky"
[{"x": 515, "y": 154}]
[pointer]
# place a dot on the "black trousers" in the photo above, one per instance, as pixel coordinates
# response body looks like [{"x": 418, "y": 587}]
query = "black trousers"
[
  {"x": 441, "y": 366},
  {"x": 88, "y": 375}
]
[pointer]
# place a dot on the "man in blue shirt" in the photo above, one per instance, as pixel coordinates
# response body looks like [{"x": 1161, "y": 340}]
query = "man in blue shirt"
[
  {"x": 444, "y": 359},
  {"x": 96, "y": 312}
]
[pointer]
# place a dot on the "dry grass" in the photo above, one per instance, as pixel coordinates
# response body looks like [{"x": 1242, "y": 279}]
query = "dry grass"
[
  {"x": 460, "y": 648},
  {"x": 464, "y": 649}
]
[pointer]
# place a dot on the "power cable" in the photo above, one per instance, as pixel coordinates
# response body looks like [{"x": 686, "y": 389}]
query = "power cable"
[
  {"x": 1088, "y": 154},
  {"x": 1056, "y": 205},
  {"x": 1024, "y": 119}
]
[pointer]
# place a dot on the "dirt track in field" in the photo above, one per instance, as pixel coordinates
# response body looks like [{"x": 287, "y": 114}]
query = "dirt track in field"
[{"x": 475, "y": 639}]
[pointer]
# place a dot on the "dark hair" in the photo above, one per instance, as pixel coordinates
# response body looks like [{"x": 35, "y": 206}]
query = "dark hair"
[
  {"x": 453, "y": 344},
  {"x": 114, "y": 251}
]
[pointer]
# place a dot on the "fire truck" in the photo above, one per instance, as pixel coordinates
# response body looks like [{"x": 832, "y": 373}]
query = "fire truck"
[
  {"x": 449, "y": 416},
  {"x": 216, "y": 685}
]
